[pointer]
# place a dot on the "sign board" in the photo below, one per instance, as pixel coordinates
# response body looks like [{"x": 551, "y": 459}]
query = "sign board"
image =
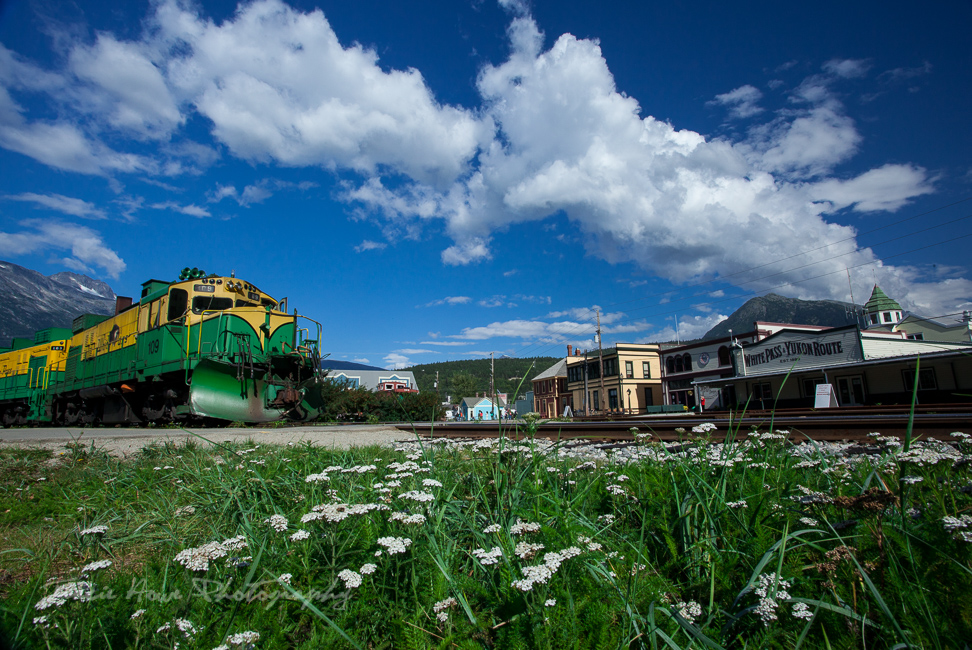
[
  {"x": 826, "y": 397},
  {"x": 798, "y": 350}
]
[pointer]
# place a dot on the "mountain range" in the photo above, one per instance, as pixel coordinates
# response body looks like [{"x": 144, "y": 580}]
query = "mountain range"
[
  {"x": 31, "y": 301},
  {"x": 772, "y": 308}
]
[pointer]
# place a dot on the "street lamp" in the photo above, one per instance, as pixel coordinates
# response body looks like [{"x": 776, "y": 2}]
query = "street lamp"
[{"x": 629, "y": 401}]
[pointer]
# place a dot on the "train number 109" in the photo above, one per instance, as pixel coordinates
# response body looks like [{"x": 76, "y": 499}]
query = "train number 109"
[{"x": 153, "y": 347}]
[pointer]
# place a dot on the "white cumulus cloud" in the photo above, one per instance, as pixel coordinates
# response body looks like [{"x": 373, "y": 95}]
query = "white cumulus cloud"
[{"x": 85, "y": 248}]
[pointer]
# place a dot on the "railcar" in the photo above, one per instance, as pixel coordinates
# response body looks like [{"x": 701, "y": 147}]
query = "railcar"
[{"x": 202, "y": 347}]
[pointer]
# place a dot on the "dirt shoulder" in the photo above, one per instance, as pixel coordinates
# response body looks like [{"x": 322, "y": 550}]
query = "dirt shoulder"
[{"x": 123, "y": 442}]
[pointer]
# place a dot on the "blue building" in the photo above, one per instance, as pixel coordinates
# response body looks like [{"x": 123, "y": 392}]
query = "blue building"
[{"x": 481, "y": 408}]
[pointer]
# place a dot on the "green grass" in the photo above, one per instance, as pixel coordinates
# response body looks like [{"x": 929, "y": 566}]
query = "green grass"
[{"x": 683, "y": 552}]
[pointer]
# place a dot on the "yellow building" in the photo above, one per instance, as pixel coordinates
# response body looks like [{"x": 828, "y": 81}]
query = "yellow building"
[{"x": 630, "y": 381}]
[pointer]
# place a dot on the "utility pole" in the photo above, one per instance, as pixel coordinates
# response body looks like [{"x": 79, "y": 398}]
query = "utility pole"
[
  {"x": 492, "y": 382},
  {"x": 600, "y": 357},
  {"x": 587, "y": 392}
]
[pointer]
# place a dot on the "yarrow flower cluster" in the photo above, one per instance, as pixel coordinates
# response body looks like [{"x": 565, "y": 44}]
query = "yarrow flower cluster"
[
  {"x": 958, "y": 525},
  {"x": 416, "y": 495},
  {"x": 689, "y": 611},
  {"x": 491, "y": 556},
  {"x": 541, "y": 573},
  {"x": 335, "y": 512},
  {"x": 96, "y": 566},
  {"x": 440, "y": 607},
  {"x": 526, "y": 550},
  {"x": 80, "y": 591},
  {"x": 395, "y": 545},
  {"x": 492, "y": 528},
  {"x": 771, "y": 589},
  {"x": 94, "y": 530},
  {"x": 299, "y": 535},
  {"x": 186, "y": 627},
  {"x": 245, "y": 639},
  {"x": 705, "y": 427},
  {"x": 278, "y": 522},
  {"x": 351, "y": 578},
  {"x": 367, "y": 569},
  {"x": 523, "y": 527},
  {"x": 197, "y": 559},
  {"x": 407, "y": 519}
]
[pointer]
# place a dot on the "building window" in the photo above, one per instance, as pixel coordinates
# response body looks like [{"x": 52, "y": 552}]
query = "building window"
[
  {"x": 649, "y": 399},
  {"x": 810, "y": 387},
  {"x": 687, "y": 362},
  {"x": 926, "y": 379},
  {"x": 724, "y": 359},
  {"x": 917, "y": 337},
  {"x": 610, "y": 367},
  {"x": 646, "y": 370},
  {"x": 629, "y": 369},
  {"x": 874, "y": 319},
  {"x": 886, "y": 316},
  {"x": 597, "y": 402},
  {"x": 670, "y": 364},
  {"x": 762, "y": 391},
  {"x": 613, "y": 399},
  {"x": 679, "y": 366}
]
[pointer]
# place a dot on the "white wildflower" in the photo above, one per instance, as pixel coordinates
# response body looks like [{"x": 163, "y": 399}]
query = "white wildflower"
[
  {"x": 550, "y": 602},
  {"x": 444, "y": 604},
  {"x": 351, "y": 579},
  {"x": 278, "y": 522},
  {"x": 138, "y": 614},
  {"x": 523, "y": 527},
  {"x": 245, "y": 639},
  {"x": 285, "y": 578},
  {"x": 80, "y": 591},
  {"x": 689, "y": 611},
  {"x": 526, "y": 550},
  {"x": 407, "y": 519},
  {"x": 197, "y": 559},
  {"x": 299, "y": 535},
  {"x": 802, "y": 610},
  {"x": 492, "y": 528},
  {"x": 415, "y": 495},
  {"x": 395, "y": 545},
  {"x": 94, "y": 530},
  {"x": 431, "y": 482},
  {"x": 95, "y": 566},
  {"x": 737, "y": 504},
  {"x": 489, "y": 557},
  {"x": 367, "y": 569}
]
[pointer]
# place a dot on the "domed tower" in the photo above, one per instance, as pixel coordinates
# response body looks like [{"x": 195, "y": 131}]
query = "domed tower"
[{"x": 881, "y": 310}]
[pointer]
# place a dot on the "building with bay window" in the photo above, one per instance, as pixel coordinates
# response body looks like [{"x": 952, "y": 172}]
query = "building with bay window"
[{"x": 630, "y": 381}]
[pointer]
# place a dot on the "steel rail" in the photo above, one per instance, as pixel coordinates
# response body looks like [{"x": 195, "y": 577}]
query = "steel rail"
[{"x": 801, "y": 426}]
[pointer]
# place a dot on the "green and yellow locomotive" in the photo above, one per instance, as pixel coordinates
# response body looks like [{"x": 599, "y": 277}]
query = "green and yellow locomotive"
[{"x": 203, "y": 347}]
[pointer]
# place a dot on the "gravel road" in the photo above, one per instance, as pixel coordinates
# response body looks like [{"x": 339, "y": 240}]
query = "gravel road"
[{"x": 122, "y": 442}]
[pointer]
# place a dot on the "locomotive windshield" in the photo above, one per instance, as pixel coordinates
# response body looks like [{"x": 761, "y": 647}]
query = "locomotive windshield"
[{"x": 210, "y": 303}]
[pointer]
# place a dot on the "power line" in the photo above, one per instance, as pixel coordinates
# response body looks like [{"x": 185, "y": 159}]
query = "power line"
[{"x": 790, "y": 283}]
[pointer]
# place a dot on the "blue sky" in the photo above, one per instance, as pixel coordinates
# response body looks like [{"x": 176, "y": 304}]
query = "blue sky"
[{"x": 442, "y": 180}]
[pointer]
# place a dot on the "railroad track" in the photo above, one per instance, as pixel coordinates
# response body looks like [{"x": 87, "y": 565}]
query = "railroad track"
[{"x": 937, "y": 421}]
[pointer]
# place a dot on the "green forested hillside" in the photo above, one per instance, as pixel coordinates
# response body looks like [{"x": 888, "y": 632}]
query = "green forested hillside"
[{"x": 508, "y": 374}]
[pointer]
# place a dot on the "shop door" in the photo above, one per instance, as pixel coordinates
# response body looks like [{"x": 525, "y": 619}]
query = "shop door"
[{"x": 851, "y": 390}]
